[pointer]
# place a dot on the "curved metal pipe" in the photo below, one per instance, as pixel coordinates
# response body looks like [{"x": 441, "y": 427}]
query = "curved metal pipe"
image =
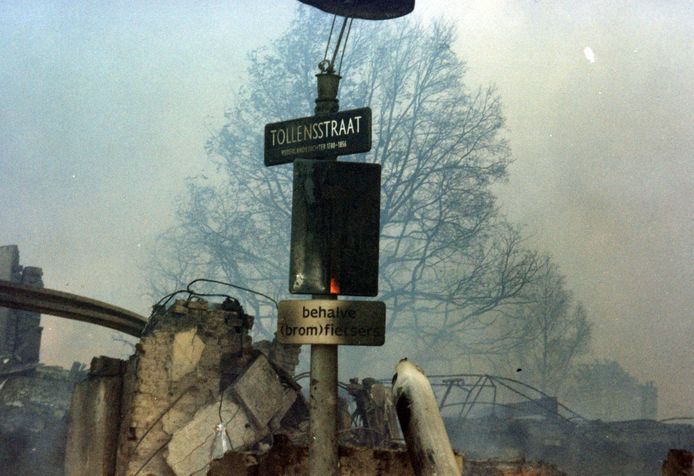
[{"x": 70, "y": 306}]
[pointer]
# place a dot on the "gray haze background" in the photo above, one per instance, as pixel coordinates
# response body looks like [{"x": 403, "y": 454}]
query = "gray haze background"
[{"x": 105, "y": 108}]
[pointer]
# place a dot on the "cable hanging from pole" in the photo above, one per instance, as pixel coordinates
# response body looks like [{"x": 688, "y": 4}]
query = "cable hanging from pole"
[
  {"x": 344, "y": 47},
  {"x": 328, "y": 65},
  {"x": 327, "y": 45}
]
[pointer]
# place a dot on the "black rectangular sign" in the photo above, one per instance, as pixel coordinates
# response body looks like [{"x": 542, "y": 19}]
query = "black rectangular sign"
[
  {"x": 342, "y": 133},
  {"x": 335, "y": 228}
]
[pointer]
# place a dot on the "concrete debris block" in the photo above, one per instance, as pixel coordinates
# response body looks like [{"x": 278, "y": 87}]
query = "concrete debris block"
[
  {"x": 248, "y": 410},
  {"x": 185, "y": 353},
  {"x": 187, "y": 403},
  {"x": 239, "y": 427},
  {"x": 190, "y": 450},
  {"x": 261, "y": 392}
]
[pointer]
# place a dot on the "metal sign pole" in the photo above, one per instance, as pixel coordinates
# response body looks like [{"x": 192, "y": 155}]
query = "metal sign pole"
[
  {"x": 298, "y": 141},
  {"x": 323, "y": 455},
  {"x": 323, "y": 458}
]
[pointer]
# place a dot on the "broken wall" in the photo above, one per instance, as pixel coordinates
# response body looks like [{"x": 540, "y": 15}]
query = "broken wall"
[
  {"x": 33, "y": 408},
  {"x": 188, "y": 355},
  {"x": 94, "y": 420}
]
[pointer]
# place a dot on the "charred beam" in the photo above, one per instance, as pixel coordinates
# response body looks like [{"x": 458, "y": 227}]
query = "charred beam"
[
  {"x": 421, "y": 423},
  {"x": 70, "y": 306}
]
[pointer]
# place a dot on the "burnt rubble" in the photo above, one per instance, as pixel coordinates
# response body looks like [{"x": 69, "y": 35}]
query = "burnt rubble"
[{"x": 198, "y": 397}]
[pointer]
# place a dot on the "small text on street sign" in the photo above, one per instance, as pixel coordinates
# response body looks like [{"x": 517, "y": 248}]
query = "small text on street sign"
[{"x": 324, "y": 321}]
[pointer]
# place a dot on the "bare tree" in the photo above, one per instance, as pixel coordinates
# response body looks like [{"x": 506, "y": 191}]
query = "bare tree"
[
  {"x": 447, "y": 260},
  {"x": 551, "y": 330}
]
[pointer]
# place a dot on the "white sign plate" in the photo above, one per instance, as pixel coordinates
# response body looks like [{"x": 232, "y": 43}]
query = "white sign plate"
[{"x": 326, "y": 321}]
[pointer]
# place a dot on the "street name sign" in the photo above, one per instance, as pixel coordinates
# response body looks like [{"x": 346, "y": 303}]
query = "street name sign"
[
  {"x": 329, "y": 321},
  {"x": 342, "y": 133}
]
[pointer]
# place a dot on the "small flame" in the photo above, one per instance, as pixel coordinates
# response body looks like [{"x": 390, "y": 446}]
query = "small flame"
[{"x": 334, "y": 286}]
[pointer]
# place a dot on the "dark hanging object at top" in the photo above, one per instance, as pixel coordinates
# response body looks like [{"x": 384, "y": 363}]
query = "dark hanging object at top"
[{"x": 364, "y": 9}]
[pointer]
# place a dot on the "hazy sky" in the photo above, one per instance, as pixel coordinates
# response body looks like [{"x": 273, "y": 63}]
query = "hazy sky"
[{"x": 105, "y": 108}]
